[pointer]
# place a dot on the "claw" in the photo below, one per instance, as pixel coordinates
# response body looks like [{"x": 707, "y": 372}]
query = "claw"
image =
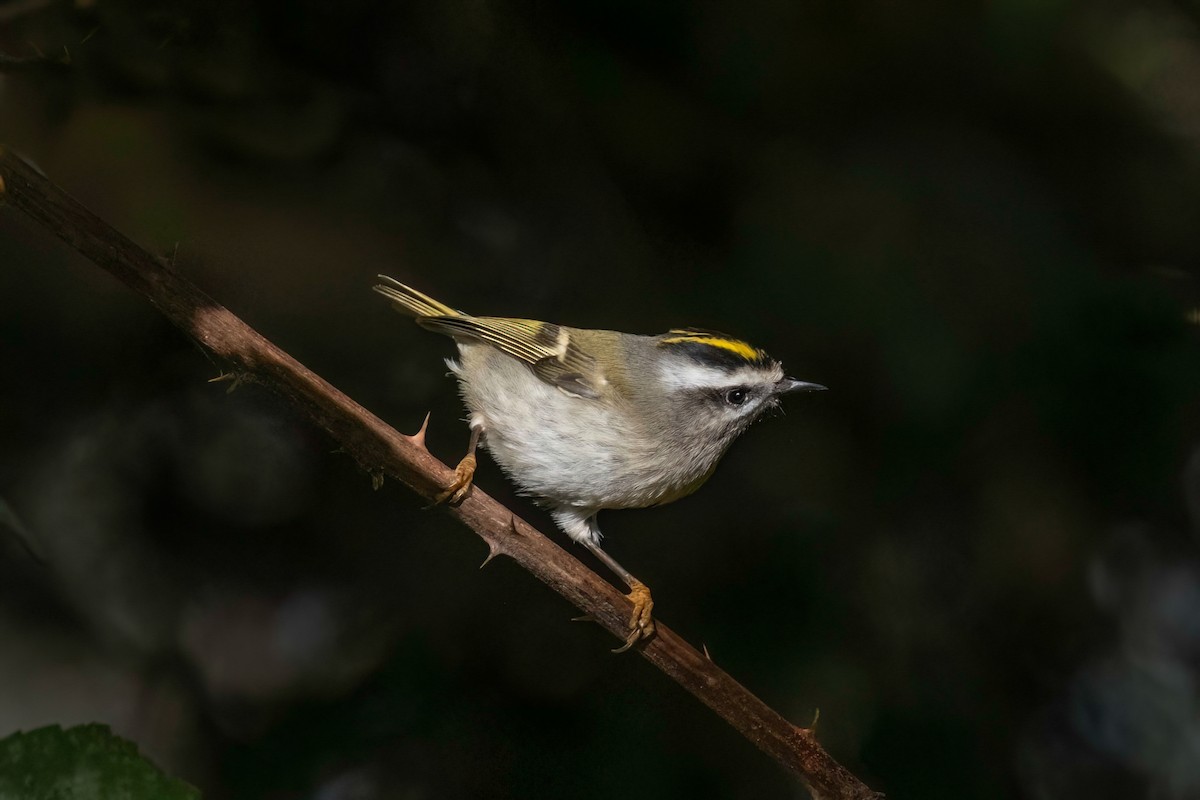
[
  {"x": 458, "y": 489},
  {"x": 641, "y": 622}
]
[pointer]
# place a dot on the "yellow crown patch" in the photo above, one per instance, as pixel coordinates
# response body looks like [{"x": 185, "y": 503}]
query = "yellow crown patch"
[{"x": 735, "y": 347}]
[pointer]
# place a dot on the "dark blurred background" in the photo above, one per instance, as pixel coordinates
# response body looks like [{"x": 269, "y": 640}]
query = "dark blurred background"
[{"x": 977, "y": 222}]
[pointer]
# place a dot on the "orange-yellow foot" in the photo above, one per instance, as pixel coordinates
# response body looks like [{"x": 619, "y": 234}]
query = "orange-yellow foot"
[
  {"x": 456, "y": 492},
  {"x": 641, "y": 622}
]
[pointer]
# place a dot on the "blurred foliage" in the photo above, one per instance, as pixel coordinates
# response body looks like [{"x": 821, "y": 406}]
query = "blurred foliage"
[
  {"x": 82, "y": 763},
  {"x": 975, "y": 222}
]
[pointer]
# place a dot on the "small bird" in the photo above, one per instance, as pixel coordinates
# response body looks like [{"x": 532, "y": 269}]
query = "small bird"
[{"x": 583, "y": 420}]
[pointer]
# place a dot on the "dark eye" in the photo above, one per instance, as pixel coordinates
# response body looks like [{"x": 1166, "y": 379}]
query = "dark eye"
[{"x": 735, "y": 397}]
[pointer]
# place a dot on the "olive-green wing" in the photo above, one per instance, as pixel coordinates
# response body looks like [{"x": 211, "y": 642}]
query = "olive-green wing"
[
  {"x": 547, "y": 348},
  {"x": 410, "y": 301}
]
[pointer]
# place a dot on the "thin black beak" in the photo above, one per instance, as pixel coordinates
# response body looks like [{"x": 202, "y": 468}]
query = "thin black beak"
[{"x": 792, "y": 385}]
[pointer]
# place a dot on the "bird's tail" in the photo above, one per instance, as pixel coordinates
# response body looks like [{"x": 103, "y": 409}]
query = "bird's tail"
[{"x": 410, "y": 301}]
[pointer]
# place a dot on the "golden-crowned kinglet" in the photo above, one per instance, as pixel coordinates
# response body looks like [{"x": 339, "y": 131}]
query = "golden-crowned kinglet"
[{"x": 585, "y": 420}]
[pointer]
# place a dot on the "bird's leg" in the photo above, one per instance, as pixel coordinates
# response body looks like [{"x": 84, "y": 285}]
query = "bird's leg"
[
  {"x": 641, "y": 623},
  {"x": 456, "y": 492}
]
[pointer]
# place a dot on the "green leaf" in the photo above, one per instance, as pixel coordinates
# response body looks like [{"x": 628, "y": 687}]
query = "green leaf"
[{"x": 83, "y": 763}]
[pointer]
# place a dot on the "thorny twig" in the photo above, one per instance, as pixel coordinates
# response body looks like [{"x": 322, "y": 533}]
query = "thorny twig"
[{"x": 380, "y": 449}]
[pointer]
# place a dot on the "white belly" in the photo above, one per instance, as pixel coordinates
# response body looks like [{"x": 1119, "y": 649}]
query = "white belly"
[{"x": 568, "y": 450}]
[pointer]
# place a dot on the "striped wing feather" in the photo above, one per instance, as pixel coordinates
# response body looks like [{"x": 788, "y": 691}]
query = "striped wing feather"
[{"x": 547, "y": 348}]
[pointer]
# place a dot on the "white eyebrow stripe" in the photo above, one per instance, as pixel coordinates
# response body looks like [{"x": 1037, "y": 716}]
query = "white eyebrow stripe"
[{"x": 682, "y": 375}]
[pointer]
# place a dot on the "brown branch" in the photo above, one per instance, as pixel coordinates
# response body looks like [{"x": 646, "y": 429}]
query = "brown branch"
[{"x": 380, "y": 449}]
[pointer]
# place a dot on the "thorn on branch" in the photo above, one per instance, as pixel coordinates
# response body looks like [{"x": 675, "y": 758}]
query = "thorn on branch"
[
  {"x": 493, "y": 551},
  {"x": 704, "y": 647},
  {"x": 512, "y": 525},
  {"x": 418, "y": 438},
  {"x": 376, "y": 479}
]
